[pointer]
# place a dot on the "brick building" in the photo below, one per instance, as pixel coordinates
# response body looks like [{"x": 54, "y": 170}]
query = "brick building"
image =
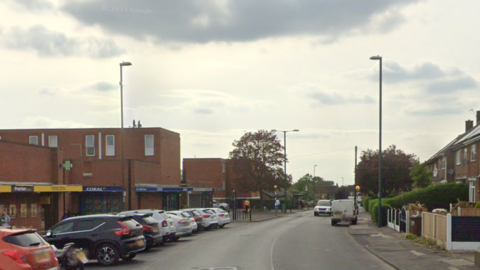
[{"x": 80, "y": 170}]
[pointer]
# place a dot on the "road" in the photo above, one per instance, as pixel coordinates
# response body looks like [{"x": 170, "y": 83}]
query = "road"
[{"x": 298, "y": 241}]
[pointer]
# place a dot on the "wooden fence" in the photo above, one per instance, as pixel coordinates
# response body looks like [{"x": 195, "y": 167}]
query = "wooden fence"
[
  {"x": 435, "y": 227},
  {"x": 469, "y": 212}
]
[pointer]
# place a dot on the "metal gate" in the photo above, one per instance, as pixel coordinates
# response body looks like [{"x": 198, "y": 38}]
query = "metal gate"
[{"x": 403, "y": 220}]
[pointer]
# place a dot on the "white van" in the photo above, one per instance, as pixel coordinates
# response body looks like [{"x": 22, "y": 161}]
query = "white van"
[{"x": 344, "y": 211}]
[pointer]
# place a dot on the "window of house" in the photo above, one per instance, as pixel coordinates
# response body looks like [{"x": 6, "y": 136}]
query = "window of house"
[
  {"x": 471, "y": 192},
  {"x": 473, "y": 152},
  {"x": 223, "y": 167},
  {"x": 457, "y": 157},
  {"x": 464, "y": 155},
  {"x": 33, "y": 140},
  {"x": 149, "y": 145},
  {"x": 52, "y": 141},
  {"x": 90, "y": 145},
  {"x": 443, "y": 163},
  {"x": 110, "y": 145}
]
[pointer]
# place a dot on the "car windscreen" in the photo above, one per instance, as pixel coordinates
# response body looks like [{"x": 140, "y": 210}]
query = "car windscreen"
[
  {"x": 148, "y": 220},
  {"x": 163, "y": 214},
  {"x": 221, "y": 210},
  {"x": 209, "y": 211},
  {"x": 324, "y": 203},
  {"x": 186, "y": 215},
  {"x": 196, "y": 213},
  {"x": 26, "y": 239},
  {"x": 129, "y": 222}
]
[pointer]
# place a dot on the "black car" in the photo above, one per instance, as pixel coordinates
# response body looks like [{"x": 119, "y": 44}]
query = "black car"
[
  {"x": 151, "y": 230},
  {"x": 198, "y": 218},
  {"x": 106, "y": 237}
]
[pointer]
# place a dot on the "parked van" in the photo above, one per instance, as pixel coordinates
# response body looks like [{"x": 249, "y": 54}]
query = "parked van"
[{"x": 343, "y": 211}]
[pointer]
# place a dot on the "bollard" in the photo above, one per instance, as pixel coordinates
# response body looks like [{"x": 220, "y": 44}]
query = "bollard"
[{"x": 250, "y": 212}]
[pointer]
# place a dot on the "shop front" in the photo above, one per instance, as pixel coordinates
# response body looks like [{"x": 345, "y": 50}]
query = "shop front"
[
  {"x": 200, "y": 197},
  {"x": 160, "y": 197},
  {"x": 99, "y": 200}
]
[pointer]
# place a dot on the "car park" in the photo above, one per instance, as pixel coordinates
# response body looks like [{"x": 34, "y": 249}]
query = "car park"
[
  {"x": 209, "y": 218},
  {"x": 182, "y": 226},
  {"x": 151, "y": 231},
  {"x": 343, "y": 211},
  {"x": 186, "y": 215},
  {"x": 22, "y": 249},
  {"x": 323, "y": 207},
  {"x": 165, "y": 223},
  {"x": 197, "y": 217},
  {"x": 105, "y": 237},
  {"x": 223, "y": 218}
]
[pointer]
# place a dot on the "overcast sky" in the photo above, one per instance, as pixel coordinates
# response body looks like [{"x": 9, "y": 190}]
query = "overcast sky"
[{"x": 214, "y": 69}]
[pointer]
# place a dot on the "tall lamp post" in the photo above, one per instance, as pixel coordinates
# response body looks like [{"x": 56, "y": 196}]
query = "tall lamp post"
[
  {"x": 285, "y": 161},
  {"x": 123, "y": 64},
  {"x": 314, "y": 183},
  {"x": 379, "y": 144}
]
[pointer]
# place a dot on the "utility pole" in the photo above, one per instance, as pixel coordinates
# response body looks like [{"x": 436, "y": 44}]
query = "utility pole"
[{"x": 355, "y": 176}]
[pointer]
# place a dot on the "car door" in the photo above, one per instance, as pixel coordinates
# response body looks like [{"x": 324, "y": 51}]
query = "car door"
[
  {"x": 86, "y": 232},
  {"x": 60, "y": 234}
]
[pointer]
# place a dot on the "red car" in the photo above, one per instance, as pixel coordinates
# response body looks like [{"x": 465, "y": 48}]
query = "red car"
[{"x": 25, "y": 249}]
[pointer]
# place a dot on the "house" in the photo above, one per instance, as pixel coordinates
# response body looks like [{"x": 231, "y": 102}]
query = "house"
[{"x": 88, "y": 171}]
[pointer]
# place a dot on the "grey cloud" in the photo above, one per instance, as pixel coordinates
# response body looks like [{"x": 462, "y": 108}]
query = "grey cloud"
[
  {"x": 32, "y": 4},
  {"x": 448, "y": 86},
  {"x": 50, "y": 43},
  {"x": 48, "y": 91},
  {"x": 326, "y": 98},
  {"x": 104, "y": 86},
  {"x": 232, "y": 20}
]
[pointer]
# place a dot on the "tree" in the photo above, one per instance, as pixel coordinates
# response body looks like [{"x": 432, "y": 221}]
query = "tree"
[
  {"x": 421, "y": 175},
  {"x": 396, "y": 166},
  {"x": 257, "y": 161}
]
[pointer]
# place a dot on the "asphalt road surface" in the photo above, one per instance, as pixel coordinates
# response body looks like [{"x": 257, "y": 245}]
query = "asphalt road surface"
[{"x": 299, "y": 241}]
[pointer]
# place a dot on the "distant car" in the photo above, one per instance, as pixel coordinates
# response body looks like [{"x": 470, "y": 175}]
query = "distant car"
[
  {"x": 104, "y": 237},
  {"x": 323, "y": 207},
  {"x": 182, "y": 225},
  {"x": 165, "y": 223},
  {"x": 223, "y": 218},
  {"x": 344, "y": 211},
  {"x": 151, "y": 231},
  {"x": 216, "y": 204},
  {"x": 182, "y": 213},
  {"x": 209, "y": 218},
  {"x": 197, "y": 217},
  {"x": 22, "y": 249}
]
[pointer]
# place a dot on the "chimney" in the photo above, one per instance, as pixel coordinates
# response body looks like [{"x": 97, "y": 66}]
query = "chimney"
[
  {"x": 478, "y": 117},
  {"x": 468, "y": 125}
]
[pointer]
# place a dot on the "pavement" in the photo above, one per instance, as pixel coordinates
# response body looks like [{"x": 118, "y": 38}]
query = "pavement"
[{"x": 390, "y": 245}]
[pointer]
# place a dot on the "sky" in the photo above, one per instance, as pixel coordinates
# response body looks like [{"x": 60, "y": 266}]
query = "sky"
[{"x": 212, "y": 70}]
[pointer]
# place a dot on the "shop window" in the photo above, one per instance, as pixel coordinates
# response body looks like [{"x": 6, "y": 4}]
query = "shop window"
[
  {"x": 52, "y": 141},
  {"x": 33, "y": 140},
  {"x": 149, "y": 150},
  {"x": 110, "y": 145},
  {"x": 90, "y": 145}
]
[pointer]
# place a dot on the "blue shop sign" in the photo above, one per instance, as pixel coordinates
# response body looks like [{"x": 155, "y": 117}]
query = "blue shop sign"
[
  {"x": 174, "y": 189},
  {"x": 146, "y": 189},
  {"x": 102, "y": 189}
]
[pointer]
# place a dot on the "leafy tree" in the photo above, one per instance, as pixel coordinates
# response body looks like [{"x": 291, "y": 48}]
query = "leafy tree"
[
  {"x": 310, "y": 186},
  {"x": 257, "y": 161},
  {"x": 421, "y": 175},
  {"x": 396, "y": 166}
]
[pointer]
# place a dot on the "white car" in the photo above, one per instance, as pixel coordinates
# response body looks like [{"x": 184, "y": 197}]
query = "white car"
[
  {"x": 165, "y": 223},
  {"x": 216, "y": 204},
  {"x": 185, "y": 215},
  {"x": 182, "y": 225},
  {"x": 209, "y": 218},
  {"x": 223, "y": 218},
  {"x": 323, "y": 207}
]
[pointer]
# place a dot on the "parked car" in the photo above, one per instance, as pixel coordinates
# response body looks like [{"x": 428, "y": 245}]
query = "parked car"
[
  {"x": 197, "y": 217},
  {"x": 151, "y": 231},
  {"x": 223, "y": 218},
  {"x": 105, "y": 237},
  {"x": 209, "y": 218},
  {"x": 216, "y": 204},
  {"x": 344, "y": 211},
  {"x": 22, "y": 249},
  {"x": 323, "y": 207},
  {"x": 165, "y": 223},
  {"x": 186, "y": 215},
  {"x": 182, "y": 225}
]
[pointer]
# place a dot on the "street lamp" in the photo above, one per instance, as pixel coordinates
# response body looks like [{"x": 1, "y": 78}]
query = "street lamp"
[
  {"x": 123, "y": 64},
  {"x": 314, "y": 183},
  {"x": 285, "y": 161},
  {"x": 379, "y": 144}
]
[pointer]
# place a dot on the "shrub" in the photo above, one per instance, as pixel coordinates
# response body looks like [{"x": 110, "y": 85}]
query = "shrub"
[
  {"x": 371, "y": 203},
  {"x": 374, "y": 212},
  {"x": 477, "y": 205},
  {"x": 365, "y": 202}
]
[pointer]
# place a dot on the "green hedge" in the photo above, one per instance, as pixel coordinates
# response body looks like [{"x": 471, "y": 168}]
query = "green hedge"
[
  {"x": 371, "y": 202},
  {"x": 374, "y": 212},
  {"x": 365, "y": 202}
]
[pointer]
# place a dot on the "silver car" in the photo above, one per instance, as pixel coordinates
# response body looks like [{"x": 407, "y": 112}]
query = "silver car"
[
  {"x": 209, "y": 218},
  {"x": 223, "y": 218},
  {"x": 185, "y": 215},
  {"x": 182, "y": 226},
  {"x": 323, "y": 207},
  {"x": 165, "y": 223}
]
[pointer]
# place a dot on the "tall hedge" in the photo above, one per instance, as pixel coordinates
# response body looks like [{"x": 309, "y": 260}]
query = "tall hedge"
[
  {"x": 365, "y": 202},
  {"x": 374, "y": 212}
]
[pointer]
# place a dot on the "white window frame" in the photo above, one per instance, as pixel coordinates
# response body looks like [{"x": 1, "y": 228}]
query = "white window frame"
[
  {"x": 457, "y": 156},
  {"x": 33, "y": 140},
  {"x": 471, "y": 191},
  {"x": 149, "y": 145},
  {"x": 465, "y": 154},
  {"x": 109, "y": 148},
  {"x": 473, "y": 152},
  {"x": 53, "y": 141},
  {"x": 90, "y": 145},
  {"x": 223, "y": 167},
  {"x": 443, "y": 163}
]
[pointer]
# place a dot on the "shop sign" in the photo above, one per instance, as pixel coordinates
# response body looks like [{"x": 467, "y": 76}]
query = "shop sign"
[
  {"x": 6, "y": 189},
  {"x": 102, "y": 189},
  {"x": 58, "y": 188},
  {"x": 22, "y": 188},
  {"x": 174, "y": 189},
  {"x": 145, "y": 189}
]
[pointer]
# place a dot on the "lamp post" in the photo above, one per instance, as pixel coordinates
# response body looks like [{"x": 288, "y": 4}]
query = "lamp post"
[
  {"x": 379, "y": 144},
  {"x": 123, "y": 64},
  {"x": 314, "y": 183},
  {"x": 285, "y": 161}
]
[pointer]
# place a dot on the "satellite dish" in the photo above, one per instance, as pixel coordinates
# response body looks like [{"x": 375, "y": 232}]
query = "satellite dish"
[{"x": 450, "y": 171}]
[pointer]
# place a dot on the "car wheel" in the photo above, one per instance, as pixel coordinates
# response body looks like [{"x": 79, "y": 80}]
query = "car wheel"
[
  {"x": 176, "y": 239},
  {"x": 128, "y": 258},
  {"x": 107, "y": 255},
  {"x": 334, "y": 222},
  {"x": 221, "y": 226},
  {"x": 315, "y": 214}
]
